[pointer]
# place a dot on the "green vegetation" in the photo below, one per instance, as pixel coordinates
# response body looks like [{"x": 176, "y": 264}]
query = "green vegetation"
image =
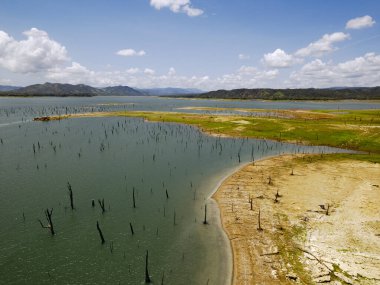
[
  {"x": 287, "y": 240},
  {"x": 356, "y": 130}
]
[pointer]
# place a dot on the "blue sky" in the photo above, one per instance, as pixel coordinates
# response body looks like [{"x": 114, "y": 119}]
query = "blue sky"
[{"x": 206, "y": 44}]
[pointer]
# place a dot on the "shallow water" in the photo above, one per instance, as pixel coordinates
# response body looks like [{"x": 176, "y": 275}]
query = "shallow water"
[{"x": 108, "y": 158}]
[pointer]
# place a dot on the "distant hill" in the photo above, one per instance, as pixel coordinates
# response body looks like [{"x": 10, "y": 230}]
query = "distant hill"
[
  {"x": 80, "y": 90},
  {"x": 55, "y": 89},
  {"x": 360, "y": 93},
  {"x": 169, "y": 91},
  {"x": 122, "y": 91},
  {"x": 8, "y": 88}
]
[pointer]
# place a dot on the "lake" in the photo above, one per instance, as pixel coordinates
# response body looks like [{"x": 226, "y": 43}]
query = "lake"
[{"x": 170, "y": 169}]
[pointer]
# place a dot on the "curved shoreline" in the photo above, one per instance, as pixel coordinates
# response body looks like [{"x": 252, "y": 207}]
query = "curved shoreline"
[
  {"x": 223, "y": 230},
  {"x": 237, "y": 169},
  {"x": 284, "y": 244}
]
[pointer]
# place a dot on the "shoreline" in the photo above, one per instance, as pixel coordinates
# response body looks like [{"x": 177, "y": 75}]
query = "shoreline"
[
  {"x": 217, "y": 210},
  {"x": 289, "y": 245}
]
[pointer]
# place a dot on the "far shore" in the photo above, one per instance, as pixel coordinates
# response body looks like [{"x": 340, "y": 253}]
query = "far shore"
[{"x": 324, "y": 225}]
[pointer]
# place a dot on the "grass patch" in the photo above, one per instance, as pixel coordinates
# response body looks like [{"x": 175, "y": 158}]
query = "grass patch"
[{"x": 286, "y": 241}]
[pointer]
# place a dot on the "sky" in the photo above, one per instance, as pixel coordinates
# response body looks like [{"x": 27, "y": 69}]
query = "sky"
[{"x": 203, "y": 44}]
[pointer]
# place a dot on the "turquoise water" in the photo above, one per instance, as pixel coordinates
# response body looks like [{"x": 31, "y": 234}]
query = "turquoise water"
[{"x": 110, "y": 158}]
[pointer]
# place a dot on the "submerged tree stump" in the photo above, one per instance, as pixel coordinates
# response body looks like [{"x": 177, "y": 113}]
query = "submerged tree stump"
[
  {"x": 147, "y": 277},
  {"x": 71, "y": 195},
  {"x": 50, "y": 225},
  {"x": 100, "y": 233},
  {"x": 205, "y": 219}
]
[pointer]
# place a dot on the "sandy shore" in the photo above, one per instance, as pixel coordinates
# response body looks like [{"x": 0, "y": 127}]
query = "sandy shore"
[{"x": 324, "y": 226}]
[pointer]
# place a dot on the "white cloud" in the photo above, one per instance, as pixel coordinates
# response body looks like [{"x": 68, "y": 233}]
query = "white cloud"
[
  {"x": 192, "y": 12},
  {"x": 149, "y": 71},
  {"x": 130, "y": 52},
  {"x": 323, "y": 45},
  {"x": 244, "y": 77},
  {"x": 361, "y": 71},
  {"x": 360, "y": 23},
  {"x": 133, "y": 70},
  {"x": 242, "y": 56},
  {"x": 76, "y": 73},
  {"x": 172, "y": 71},
  {"x": 37, "y": 53},
  {"x": 279, "y": 59},
  {"x": 177, "y": 6},
  {"x": 247, "y": 70}
]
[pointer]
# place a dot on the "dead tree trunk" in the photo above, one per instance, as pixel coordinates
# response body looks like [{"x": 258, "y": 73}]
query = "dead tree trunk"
[
  {"x": 162, "y": 279},
  {"x": 50, "y": 225},
  {"x": 276, "y": 197},
  {"x": 147, "y": 277},
  {"x": 100, "y": 232},
  {"x": 167, "y": 194},
  {"x": 259, "y": 221},
  {"x": 101, "y": 204},
  {"x": 131, "y": 227},
  {"x": 71, "y": 195},
  {"x": 205, "y": 220},
  {"x": 133, "y": 197}
]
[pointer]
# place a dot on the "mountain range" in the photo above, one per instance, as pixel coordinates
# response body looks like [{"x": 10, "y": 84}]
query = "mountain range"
[{"x": 81, "y": 90}]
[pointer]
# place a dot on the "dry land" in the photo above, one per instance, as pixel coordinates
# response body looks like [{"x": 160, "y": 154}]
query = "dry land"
[{"x": 323, "y": 227}]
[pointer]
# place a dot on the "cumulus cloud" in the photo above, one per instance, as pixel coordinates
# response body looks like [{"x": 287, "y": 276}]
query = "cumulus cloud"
[
  {"x": 133, "y": 70},
  {"x": 149, "y": 71},
  {"x": 75, "y": 73},
  {"x": 254, "y": 73},
  {"x": 247, "y": 70},
  {"x": 323, "y": 45},
  {"x": 177, "y": 6},
  {"x": 360, "y": 23},
  {"x": 279, "y": 59},
  {"x": 130, "y": 52},
  {"x": 34, "y": 54},
  {"x": 361, "y": 71},
  {"x": 244, "y": 77}
]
